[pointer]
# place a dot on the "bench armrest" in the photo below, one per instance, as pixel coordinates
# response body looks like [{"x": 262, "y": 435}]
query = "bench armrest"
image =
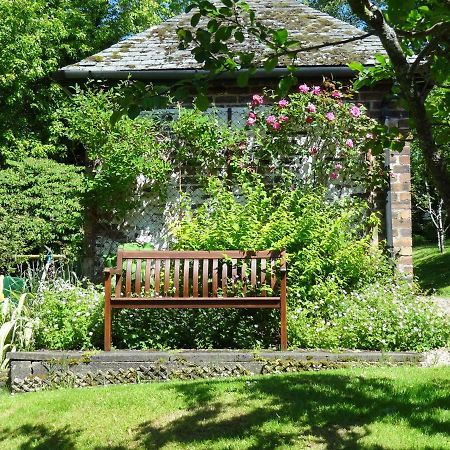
[{"x": 112, "y": 271}]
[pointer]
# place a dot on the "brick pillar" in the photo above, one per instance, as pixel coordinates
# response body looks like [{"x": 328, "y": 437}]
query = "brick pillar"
[{"x": 398, "y": 214}]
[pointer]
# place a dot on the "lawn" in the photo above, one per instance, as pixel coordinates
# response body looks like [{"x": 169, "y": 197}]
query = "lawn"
[
  {"x": 432, "y": 268},
  {"x": 392, "y": 408}
]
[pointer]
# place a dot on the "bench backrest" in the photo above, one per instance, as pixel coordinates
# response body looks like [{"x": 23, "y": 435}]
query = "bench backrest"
[{"x": 199, "y": 274}]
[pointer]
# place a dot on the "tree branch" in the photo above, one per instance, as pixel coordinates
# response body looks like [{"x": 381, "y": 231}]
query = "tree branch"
[
  {"x": 425, "y": 52},
  {"x": 437, "y": 29},
  {"x": 330, "y": 44}
]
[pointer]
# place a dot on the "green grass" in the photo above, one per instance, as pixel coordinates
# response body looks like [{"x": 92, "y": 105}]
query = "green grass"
[
  {"x": 368, "y": 408},
  {"x": 432, "y": 268}
]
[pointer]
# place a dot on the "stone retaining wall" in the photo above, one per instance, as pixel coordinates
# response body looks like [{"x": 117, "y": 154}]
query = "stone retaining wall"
[{"x": 33, "y": 371}]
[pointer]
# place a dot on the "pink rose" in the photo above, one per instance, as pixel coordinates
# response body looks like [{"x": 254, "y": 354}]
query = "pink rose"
[
  {"x": 369, "y": 136},
  {"x": 349, "y": 143},
  {"x": 336, "y": 94},
  {"x": 257, "y": 100},
  {"x": 338, "y": 166},
  {"x": 311, "y": 108},
  {"x": 251, "y": 115},
  {"x": 355, "y": 111},
  {"x": 333, "y": 175},
  {"x": 315, "y": 90},
  {"x": 313, "y": 151},
  {"x": 276, "y": 125},
  {"x": 271, "y": 119},
  {"x": 303, "y": 88},
  {"x": 283, "y": 103},
  {"x": 283, "y": 118},
  {"x": 251, "y": 121},
  {"x": 330, "y": 116}
]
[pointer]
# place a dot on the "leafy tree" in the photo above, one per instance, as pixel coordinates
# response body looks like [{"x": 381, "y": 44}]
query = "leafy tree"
[
  {"x": 39, "y": 36},
  {"x": 427, "y": 203},
  {"x": 336, "y": 8}
]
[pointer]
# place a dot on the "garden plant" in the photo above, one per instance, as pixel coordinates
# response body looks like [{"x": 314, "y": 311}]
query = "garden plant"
[{"x": 302, "y": 175}]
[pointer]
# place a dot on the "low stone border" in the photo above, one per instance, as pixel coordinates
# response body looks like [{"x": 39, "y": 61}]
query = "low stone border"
[{"x": 33, "y": 371}]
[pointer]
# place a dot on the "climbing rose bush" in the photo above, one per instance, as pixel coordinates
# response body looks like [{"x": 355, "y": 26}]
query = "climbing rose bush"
[{"x": 331, "y": 140}]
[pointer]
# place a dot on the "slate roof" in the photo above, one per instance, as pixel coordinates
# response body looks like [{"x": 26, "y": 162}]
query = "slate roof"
[{"x": 156, "y": 49}]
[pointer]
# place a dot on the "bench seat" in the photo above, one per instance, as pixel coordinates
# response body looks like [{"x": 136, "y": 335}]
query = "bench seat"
[{"x": 196, "y": 279}]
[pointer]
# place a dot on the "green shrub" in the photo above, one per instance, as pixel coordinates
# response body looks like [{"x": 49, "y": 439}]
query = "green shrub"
[
  {"x": 342, "y": 290},
  {"x": 386, "y": 315},
  {"x": 203, "y": 328},
  {"x": 70, "y": 317},
  {"x": 117, "y": 155},
  {"x": 40, "y": 204}
]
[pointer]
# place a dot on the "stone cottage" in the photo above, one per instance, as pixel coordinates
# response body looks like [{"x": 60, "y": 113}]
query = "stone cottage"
[{"x": 153, "y": 56}]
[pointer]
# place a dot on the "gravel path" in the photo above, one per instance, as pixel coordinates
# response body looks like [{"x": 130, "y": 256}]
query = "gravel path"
[{"x": 443, "y": 303}]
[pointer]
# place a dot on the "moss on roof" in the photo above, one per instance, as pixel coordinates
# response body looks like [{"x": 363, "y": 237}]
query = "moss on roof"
[{"x": 157, "y": 47}]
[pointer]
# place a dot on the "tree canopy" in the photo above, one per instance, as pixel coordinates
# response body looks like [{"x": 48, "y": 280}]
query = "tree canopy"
[{"x": 37, "y": 37}]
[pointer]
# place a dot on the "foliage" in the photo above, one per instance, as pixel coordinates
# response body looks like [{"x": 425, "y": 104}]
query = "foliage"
[
  {"x": 203, "y": 328},
  {"x": 413, "y": 34},
  {"x": 320, "y": 130},
  {"x": 438, "y": 107},
  {"x": 117, "y": 155},
  {"x": 16, "y": 327},
  {"x": 336, "y": 8},
  {"x": 333, "y": 141},
  {"x": 430, "y": 217},
  {"x": 37, "y": 37},
  {"x": 329, "y": 239},
  {"x": 70, "y": 316},
  {"x": 341, "y": 289},
  {"x": 369, "y": 407},
  {"x": 40, "y": 205},
  {"x": 200, "y": 140},
  {"x": 382, "y": 315}
]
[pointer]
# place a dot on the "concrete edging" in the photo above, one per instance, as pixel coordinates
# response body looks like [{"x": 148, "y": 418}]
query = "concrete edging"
[{"x": 32, "y": 371}]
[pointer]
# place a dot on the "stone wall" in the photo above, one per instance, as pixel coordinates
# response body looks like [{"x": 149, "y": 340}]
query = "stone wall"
[{"x": 34, "y": 371}]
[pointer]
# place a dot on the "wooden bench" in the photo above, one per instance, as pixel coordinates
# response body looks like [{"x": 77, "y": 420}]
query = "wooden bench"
[{"x": 196, "y": 279}]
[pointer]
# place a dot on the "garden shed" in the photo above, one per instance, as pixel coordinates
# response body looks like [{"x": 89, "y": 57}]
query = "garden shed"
[{"x": 153, "y": 56}]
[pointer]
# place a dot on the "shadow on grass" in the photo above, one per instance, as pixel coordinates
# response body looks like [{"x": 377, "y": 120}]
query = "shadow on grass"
[
  {"x": 41, "y": 437},
  {"x": 432, "y": 268},
  {"x": 331, "y": 411}
]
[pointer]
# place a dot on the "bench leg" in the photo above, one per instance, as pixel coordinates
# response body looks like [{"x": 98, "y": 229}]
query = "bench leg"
[
  {"x": 107, "y": 335},
  {"x": 283, "y": 325},
  {"x": 283, "y": 304}
]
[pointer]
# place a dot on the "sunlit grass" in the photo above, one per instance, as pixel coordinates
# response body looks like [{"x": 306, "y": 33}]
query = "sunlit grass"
[
  {"x": 432, "y": 268},
  {"x": 403, "y": 407}
]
